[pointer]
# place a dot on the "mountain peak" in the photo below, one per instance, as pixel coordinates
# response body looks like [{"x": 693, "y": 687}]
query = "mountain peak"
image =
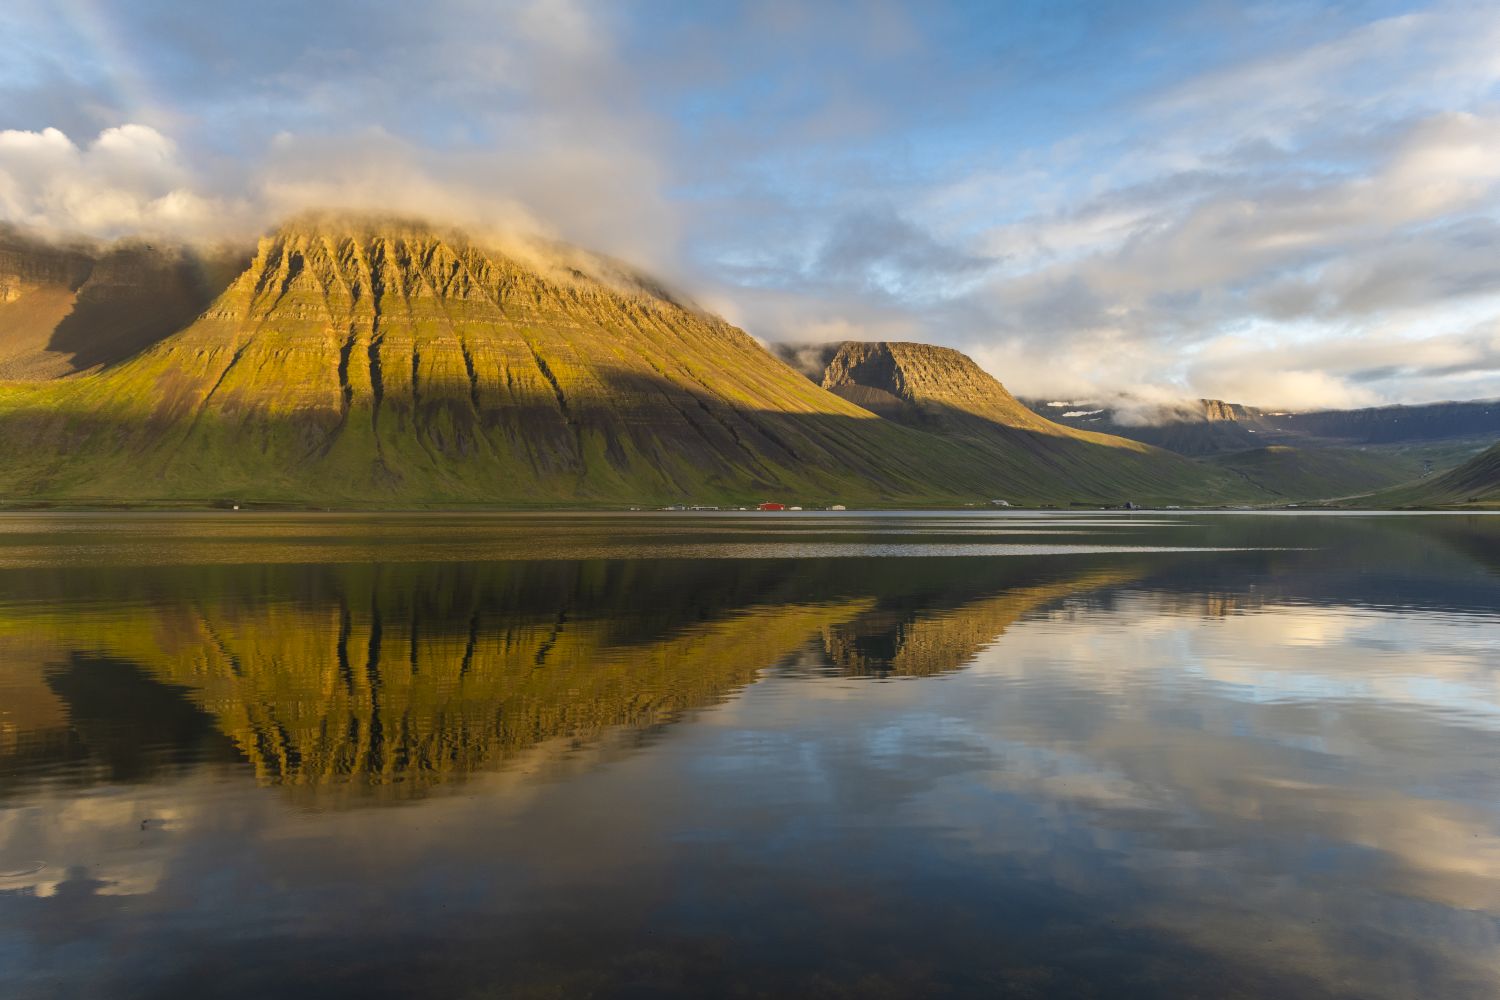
[
  {"x": 425, "y": 254},
  {"x": 925, "y": 384}
]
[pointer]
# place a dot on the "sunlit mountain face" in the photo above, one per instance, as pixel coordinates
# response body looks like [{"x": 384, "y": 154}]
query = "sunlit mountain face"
[
  {"x": 360, "y": 360},
  {"x": 677, "y": 752}
]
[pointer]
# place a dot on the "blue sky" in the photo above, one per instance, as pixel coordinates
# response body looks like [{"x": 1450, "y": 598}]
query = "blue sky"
[{"x": 1291, "y": 204}]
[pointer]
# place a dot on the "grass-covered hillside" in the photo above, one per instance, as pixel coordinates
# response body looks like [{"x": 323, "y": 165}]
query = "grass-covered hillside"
[
  {"x": 1475, "y": 483},
  {"x": 1317, "y": 473}
]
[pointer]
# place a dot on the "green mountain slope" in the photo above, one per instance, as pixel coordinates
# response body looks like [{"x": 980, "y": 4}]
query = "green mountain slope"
[
  {"x": 1317, "y": 473},
  {"x": 388, "y": 363},
  {"x": 1476, "y": 482}
]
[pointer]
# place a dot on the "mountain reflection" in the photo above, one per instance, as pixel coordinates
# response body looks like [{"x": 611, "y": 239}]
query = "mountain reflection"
[
  {"x": 1254, "y": 752},
  {"x": 399, "y": 677}
]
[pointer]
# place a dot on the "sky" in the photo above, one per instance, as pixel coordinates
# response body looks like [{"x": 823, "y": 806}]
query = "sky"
[{"x": 1283, "y": 204}]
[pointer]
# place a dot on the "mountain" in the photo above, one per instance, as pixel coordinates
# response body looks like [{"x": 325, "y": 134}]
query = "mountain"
[
  {"x": 1320, "y": 454},
  {"x": 1476, "y": 482},
  {"x": 65, "y": 309},
  {"x": 1316, "y": 473},
  {"x": 1396, "y": 424},
  {"x": 1211, "y": 426},
  {"x": 386, "y": 362},
  {"x": 1193, "y": 427},
  {"x": 927, "y": 386},
  {"x": 942, "y": 392}
]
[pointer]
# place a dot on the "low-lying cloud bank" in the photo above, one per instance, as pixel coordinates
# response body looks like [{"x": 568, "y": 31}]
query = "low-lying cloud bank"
[{"x": 132, "y": 180}]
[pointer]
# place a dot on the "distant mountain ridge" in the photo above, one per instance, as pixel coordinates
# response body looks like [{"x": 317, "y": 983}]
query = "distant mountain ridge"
[{"x": 1212, "y": 426}]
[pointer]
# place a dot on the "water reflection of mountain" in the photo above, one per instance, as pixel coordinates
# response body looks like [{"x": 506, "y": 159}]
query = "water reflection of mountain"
[
  {"x": 402, "y": 676},
  {"x": 922, "y": 641}
]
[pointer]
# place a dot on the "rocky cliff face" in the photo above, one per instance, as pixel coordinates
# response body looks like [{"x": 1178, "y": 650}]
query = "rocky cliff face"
[
  {"x": 922, "y": 383},
  {"x": 1215, "y": 410},
  {"x": 70, "y": 308},
  {"x": 27, "y": 266}
]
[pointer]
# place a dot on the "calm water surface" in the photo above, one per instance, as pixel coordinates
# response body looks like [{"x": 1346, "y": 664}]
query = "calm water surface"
[{"x": 1077, "y": 755}]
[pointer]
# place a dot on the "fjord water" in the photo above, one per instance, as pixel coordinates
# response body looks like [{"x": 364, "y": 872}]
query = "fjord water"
[{"x": 1076, "y": 754}]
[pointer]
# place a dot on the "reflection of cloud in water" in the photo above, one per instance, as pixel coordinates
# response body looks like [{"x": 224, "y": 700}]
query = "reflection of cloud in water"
[
  {"x": 1279, "y": 726},
  {"x": 64, "y": 833},
  {"x": 1274, "y": 789}
]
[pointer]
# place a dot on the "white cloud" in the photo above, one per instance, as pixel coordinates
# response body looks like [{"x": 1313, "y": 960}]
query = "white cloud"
[
  {"x": 1282, "y": 388},
  {"x": 1393, "y": 67},
  {"x": 1144, "y": 285},
  {"x": 128, "y": 180},
  {"x": 526, "y": 118}
]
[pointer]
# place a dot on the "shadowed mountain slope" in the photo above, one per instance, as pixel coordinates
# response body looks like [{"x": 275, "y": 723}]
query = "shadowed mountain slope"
[
  {"x": 360, "y": 362},
  {"x": 1395, "y": 424},
  {"x": 68, "y": 309},
  {"x": 1477, "y": 481},
  {"x": 1317, "y": 473}
]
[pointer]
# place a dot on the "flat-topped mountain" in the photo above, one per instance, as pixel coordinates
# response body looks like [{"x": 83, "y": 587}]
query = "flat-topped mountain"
[
  {"x": 359, "y": 361},
  {"x": 923, "y": 383}
]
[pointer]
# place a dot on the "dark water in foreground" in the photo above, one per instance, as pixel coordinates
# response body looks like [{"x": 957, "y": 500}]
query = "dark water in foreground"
[{"x": 1081, "y": 755}]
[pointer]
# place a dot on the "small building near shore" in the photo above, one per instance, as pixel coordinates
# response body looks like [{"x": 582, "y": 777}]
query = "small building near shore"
[{"x": 771, "y": 505}]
